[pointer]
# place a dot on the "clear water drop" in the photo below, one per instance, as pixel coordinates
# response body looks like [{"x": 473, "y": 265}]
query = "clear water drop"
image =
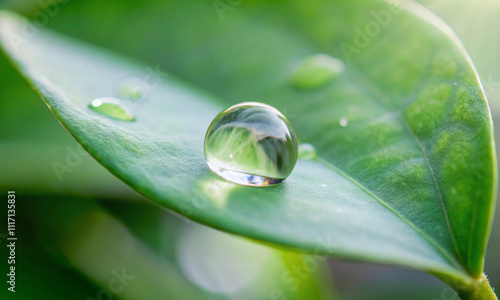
[
  {"x": 316, "y": 71},
  {"x": 132, "y": 88},
  {"x": 307, "y": 151},
  {"x": 112, "y": 107},
  {"x": 251, "y": 144},
  {"x": 343, "y": 122}
]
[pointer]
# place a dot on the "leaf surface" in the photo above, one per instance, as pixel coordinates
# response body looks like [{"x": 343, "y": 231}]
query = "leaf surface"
[{"x": 409, "y": 181}]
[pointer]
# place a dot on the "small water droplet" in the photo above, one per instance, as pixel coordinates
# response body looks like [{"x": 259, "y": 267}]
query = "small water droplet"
[
  {"x": 251, "y": 144},
  {"x": 133, "y": 89},
  {"x": 343, "y": 122},
  {"x": 112, "y": 107},
  {"x": 455, "y": 83},
  {"x": 307, "y": 151},
  {"x": 316, "y": 71}
]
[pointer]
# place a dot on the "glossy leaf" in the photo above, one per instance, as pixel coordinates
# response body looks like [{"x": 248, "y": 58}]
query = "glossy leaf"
[
  {"x": 409, "y": 181},
  {"x": 35, "y": 144}
]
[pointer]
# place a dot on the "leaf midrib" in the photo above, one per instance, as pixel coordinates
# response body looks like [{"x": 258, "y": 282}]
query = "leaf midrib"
[
  {"x": 444, "y": 252},
  {"x": 371, "y": 194},
  {"x": 351, "y": 69},
  {"x": 372, "y": 89}
]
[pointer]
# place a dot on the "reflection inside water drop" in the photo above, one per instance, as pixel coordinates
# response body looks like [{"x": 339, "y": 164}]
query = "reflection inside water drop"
[
  {"x": 112, "y": 108},
  {"x": 251, "y": 144}
]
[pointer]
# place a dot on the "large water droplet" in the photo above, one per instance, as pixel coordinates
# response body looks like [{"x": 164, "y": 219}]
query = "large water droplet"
[
  {"x": 132, "y": 88},
  {"x": 307, "y": 151},
  {"x": 316, "y": 71},
  {"x": 252, "y": 144},
  {"x": 112, "y": 107}
]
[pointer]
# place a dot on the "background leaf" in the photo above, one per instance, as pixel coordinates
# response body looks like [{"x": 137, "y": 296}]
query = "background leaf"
[
  {"x": 81, "y": 242},
  {"x": 430, "y": 245}
]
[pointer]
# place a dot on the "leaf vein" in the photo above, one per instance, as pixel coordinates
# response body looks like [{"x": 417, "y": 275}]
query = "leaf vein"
[{"x": 373, "y": 89}]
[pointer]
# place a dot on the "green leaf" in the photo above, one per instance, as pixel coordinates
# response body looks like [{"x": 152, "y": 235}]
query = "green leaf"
[
  {"x": 38, "y": 146},
  {"x": 409, "y": 181}
]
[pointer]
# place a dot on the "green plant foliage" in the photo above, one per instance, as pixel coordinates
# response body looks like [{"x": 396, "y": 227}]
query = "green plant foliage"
[
  {"x": 36, "y": 154},
  {"x": 409, "y": 179},
  {"x": 84, "y": 245}
]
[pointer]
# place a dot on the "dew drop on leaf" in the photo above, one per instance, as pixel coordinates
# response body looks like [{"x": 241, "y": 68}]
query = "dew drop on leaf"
[
  {"x": 112, "y": 107},
  {"x": 343, "y": 122},
  {"x": 316, "y": 71},
  {"x": 251, "y": 144},
  {"x": 307, "y": 151},
  {"x": 132, "y": 88}
]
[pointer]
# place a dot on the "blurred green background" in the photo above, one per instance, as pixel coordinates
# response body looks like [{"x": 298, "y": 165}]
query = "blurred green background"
[{"x": 85, "y": 235}]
